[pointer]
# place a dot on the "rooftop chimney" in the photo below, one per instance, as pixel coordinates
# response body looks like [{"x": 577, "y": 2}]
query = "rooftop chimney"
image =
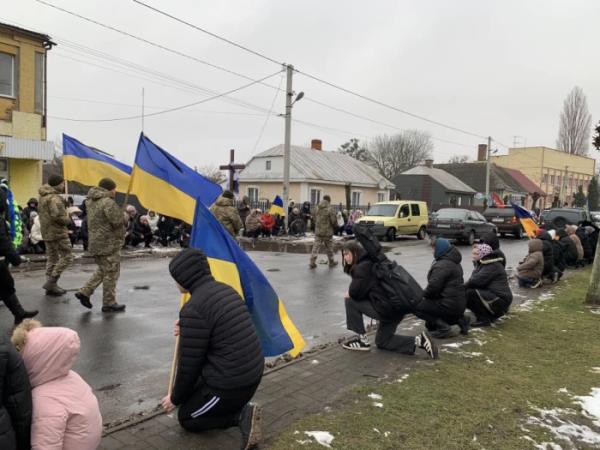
[
  {"x": 482, "y": 152},
  {"x": 429, "y": 163},
  {"x": 316, "y": 144}
]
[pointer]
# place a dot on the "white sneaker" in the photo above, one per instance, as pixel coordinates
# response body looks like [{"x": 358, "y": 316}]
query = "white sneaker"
[{"x": 357, "y": 344}]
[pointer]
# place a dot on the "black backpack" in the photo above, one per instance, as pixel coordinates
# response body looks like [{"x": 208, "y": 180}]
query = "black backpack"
[{"x": 402, "y": 290}]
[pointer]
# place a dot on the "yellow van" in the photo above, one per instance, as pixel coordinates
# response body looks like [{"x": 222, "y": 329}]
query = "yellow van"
[{"x": 402, "y": 217}]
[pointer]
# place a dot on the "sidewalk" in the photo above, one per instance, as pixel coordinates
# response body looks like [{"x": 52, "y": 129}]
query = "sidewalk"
[{"x": 286, "y": 394}]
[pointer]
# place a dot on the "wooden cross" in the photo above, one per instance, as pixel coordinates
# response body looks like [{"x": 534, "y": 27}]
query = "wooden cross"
[{"x": 232, "y": 168}]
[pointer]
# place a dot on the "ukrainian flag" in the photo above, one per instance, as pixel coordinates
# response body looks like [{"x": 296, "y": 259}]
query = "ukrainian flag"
[
  {"x": 88, "y": 166},
  {"x": 164, "y": 184},
  {"x": 526, "y": 220},
  {"x": 229, "y": 264},
  {"x": 277, "y": 207}
]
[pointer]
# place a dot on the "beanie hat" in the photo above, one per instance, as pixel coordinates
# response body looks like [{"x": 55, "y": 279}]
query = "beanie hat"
[
  {"x": 441, "y": 247},
  {"x": 228, "y": 194},
  {"x": 107, "y": 184},
  {"x": 188, "y": 267},
  {"x": 55, "y": 180},
  {"x": 483, "y": 250}
]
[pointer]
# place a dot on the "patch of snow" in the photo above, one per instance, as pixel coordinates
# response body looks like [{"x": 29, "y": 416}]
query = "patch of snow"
[
  {"x": 553, "y": 420},
  {"x": 457, "y": 344},
  {"x": 375, "y": 396},
  {"x": 591, "y": 405},
  {"x": 307, "y": 441},
  {"x": 376, "y": 431},
  {"x": 595, "y": 370},
  {"x": 470, "y": 354},
  {"x": 323, "y": 438},
  {"x": 402, "y": 378},
  {"x": 595, "y": 311},
  {"x": 377, "y": 405},
  {"x": 563, "y": 391},
  {"x": 479, "y": 342},
  {"x": 489, "y": 361},
  {"x": 386, "y": 434},
  {"x": 314, "y": 361}
]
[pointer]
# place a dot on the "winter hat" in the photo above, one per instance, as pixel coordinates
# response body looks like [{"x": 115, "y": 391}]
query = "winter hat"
[
  {"x": 491, "y": 239},
  {"x": 441, "y": 247},
  {"x": 107, "y": 183},
  {"x": 55, "y": 180},
  {"x": 188, "y": 267},
  {"x": 552, "y": 234},
  {"x": 228, "y": 194},
  {"x": 483, "y": 250}
]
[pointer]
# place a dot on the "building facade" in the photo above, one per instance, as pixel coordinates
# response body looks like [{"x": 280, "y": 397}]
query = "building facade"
[
  {"x": 23, "y": 145},
  {"x": 558, "y": 173}
]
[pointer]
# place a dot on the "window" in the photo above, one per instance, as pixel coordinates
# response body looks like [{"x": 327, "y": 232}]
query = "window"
[
  {"x": 40, "y": 82},
  {"x": 404, "y": 212},
  {"x": 380, "y": 197},
  {"x": 545, "y": 178},
  {"x": 268, "y": 165},
  {"x": 558, "y": 180},
  {"x": 253, "y": 195},
  {"x": 551, "y": 179},
  {"x": 7, "y": 75},
  {"x": 355, "y": 199},
  {"x": 315, "y": 196},
  {"x": 415, "y": 210}
]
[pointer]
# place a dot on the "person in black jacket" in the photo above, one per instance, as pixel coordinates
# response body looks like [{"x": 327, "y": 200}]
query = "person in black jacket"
[
  {"x": 366, "y": 297},
  {"x": 490, "y": 238},
  {"x": 220, "y": 358},
  {"x": 557, "y": 253},
  {"x": 444, "y": 302},
  {"x": 15, "y": 401},
  {"x": 568, "y": 247},
  {"x": 550, "y": 271},
  {"x": 487, "y": 291}
]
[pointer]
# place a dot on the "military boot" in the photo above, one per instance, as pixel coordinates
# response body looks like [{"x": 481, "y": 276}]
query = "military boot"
[
  {"x": 313, "y": 263},
  {"x": 52, "y": 288}
]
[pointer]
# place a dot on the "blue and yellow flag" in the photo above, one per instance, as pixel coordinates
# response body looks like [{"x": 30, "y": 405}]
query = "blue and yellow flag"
[
  {"x": 277, "y": 206},
  {"x": 229, "y": 264},
  {"x": 88, "y": 166},
  {"x": 526, "y": 220},
  {"x": 166, "y": 185}
]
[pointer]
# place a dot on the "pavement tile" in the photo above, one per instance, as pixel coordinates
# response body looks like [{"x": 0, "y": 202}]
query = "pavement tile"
[{"x": 110, "y": 443}]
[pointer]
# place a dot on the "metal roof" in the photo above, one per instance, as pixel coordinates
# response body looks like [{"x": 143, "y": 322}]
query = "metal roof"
[
  {"x": 473, "y": 174},
  {"x": 26, "y": 148},
  {"x": 316, "y": 165},
  {"x": 527, "y": 184},
  {"x": 449, "y": 181}
]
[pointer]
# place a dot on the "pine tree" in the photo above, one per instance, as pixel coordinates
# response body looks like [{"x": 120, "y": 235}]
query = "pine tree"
[
  {"x": 593, "y": 194},
  {"x": 579, "y": 198}
]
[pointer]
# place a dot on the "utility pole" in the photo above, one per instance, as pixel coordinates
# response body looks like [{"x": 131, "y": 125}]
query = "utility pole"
[
  {"x": 487, "y": 172},
  {"x": 287, "y": 142}
]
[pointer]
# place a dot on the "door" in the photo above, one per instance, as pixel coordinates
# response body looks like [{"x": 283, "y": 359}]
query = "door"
[
  {"x": 414, "y": 220},
  {"x": 403, "y": 220}
]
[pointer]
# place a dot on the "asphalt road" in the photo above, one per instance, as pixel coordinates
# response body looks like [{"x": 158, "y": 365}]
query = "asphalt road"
[{"x": 126, "y": 357}]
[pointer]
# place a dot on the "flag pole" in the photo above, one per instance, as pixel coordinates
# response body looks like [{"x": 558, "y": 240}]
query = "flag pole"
[{"x": 173, "y": 367}]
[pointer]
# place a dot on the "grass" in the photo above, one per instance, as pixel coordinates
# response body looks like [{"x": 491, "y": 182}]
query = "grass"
[{"x": 469, "y": 403}]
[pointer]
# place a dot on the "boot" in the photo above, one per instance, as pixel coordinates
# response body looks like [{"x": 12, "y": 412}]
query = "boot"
[
  {"x": 313, "y": 263},
  {"x": 464, "y": 323},
  {"x": 13, "y": 304},
  {"x": 443, "y": 330},
  {"x": 52, "y": 288},
  {"x": 332, "y": 263}
]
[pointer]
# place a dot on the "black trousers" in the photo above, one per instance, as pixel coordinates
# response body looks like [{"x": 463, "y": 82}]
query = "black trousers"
[
  {"x": 207, "y": 409},
  {"x": 486, "y": 305},
  {"x": 386, "y": 337},
  {"x": 7, "y": 291},
  {"x": 430, "y": 311}
]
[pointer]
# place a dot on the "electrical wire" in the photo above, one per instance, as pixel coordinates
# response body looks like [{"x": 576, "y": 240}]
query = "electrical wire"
[{"x": 269, "y": 114}]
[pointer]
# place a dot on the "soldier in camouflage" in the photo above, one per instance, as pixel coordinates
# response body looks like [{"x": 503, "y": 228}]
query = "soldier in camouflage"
[
  {"x": 325, "y": 224},
  {"x": 227, "y": 214},
  {"x": 53, "y": 221},
  {"x": 106, "y": 229}
]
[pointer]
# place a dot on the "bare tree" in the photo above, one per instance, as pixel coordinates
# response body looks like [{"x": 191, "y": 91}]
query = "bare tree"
[
  {"x": 459, "y": 159},
  {"x": 575, "y": 124},
  {"x": 354, "y": 149},
  {"x": 392, "y": 155},
  {"x": 212, "y": 172}
]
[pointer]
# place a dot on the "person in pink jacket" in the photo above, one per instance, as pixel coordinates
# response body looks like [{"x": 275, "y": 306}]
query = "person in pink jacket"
[{"x": 66, "y": 414}]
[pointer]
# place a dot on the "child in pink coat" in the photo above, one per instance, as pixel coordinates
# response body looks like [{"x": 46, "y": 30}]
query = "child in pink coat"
[{"x": 66, "y": 414}]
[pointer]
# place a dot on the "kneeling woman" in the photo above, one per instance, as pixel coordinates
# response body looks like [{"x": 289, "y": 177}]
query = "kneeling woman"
[
  {"x": 366, "y": 297},
  {"x": 488, "y": 293}
]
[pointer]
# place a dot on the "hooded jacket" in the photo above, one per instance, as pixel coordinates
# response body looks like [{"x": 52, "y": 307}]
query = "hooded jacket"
[
  {"x": 586, "y": 241},
  {"x": 445, "y": 283},
  {"x": 218, "y": 344},
  {"x": 53, "y": 214},
  {"x": 106, "y": 223},
  {"x": 15, "y": 401},
  {"x": 533, "y": 265},
  {"x": 490, "y": 238},
  {"x": 571, "y": 232},
  {"x": 325, "y": 220},
  {"x": 490, "y": 275},
  {"x": 66, "y": 414},
  {"x": 227, "y": 215},
  {"x": 548, "y": 252},
  {"x": 253, "y": 222}
]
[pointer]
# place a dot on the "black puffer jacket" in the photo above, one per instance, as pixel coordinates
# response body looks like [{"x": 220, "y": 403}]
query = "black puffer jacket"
[
  {"x": 490, "y": 275},
  {"x": 559, "y": 257},
  {"x": 586, "y": 243},
  {"x": 15, "y": 399},
  {"x": 548, "y": 252},
  {"x": 492, "y": 240},
  {"x": 445, "y": 282},
  {"x": 218, "y": 345},
  {"x": 569, "y": 249}
]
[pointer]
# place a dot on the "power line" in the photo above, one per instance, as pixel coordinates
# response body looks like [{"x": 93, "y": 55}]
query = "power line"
[
  {"x": 177, "y": 108},
  {"x": 269, "y": 114}
]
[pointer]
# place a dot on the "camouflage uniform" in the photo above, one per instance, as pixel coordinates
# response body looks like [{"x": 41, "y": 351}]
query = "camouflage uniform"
[
  {"x": 225, "y": 213},
  {"x": 325, "y": 224},
  {"x": 53, "y": 221},
  {"x": 106, "y": 228}
]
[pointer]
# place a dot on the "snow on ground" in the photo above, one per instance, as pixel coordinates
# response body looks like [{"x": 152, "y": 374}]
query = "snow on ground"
[
  {"x": 402, "y": 378},
  {"x": 374, "y": 396},
  {"x": 556, "y": 422},
  {"x": 591, "y": 405},
  {"x": 378, "y": 405},
  {"x": 322, "y": 437},
  {"x": 457, "y": 344},
  {"x": 595, "y": 370},
  {"x": 528, "y": 305}
]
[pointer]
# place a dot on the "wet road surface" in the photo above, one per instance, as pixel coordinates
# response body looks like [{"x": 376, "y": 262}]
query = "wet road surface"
[{"x": 126, "y": 357}]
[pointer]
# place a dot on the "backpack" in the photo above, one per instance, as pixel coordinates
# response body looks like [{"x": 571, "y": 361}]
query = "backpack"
[{"x": 403, "y": 292}]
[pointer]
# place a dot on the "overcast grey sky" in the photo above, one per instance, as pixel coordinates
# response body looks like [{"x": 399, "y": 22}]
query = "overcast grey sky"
[{"x": 497, "y": 68}]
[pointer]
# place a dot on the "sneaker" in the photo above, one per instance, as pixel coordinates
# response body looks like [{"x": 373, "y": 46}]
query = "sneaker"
[
  {"x": 357, "y": 344},
  {"x": 250, "y": 426},
  {"x": 115, "y": 307},
  {"x": 426, "y": 343},
  {"x": 84, "y": 300}
]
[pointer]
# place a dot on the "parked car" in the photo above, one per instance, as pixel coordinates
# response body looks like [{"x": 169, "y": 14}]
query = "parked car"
[
  {"x": 460, "y": 224},
  {"x": 403, "y": 217},
  {"x": 595, "y": 218},
  {"x": 558, "y": 218},
  {"x": 505, "y": 220}
]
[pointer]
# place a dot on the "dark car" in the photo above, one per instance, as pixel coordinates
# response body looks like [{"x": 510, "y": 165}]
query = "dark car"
[
  {"x": 459, "y": 224},
  {"x": 505, "y": 220},
  {"x": 558, "y": 218}
]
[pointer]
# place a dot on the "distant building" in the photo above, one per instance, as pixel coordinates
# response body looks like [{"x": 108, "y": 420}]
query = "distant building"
[
  {"x": 313, "y": 174},
  {"x": 435, "y": 186},
  {"x": 23, "y": 144},
  {"x": 558, "y": 173}
]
